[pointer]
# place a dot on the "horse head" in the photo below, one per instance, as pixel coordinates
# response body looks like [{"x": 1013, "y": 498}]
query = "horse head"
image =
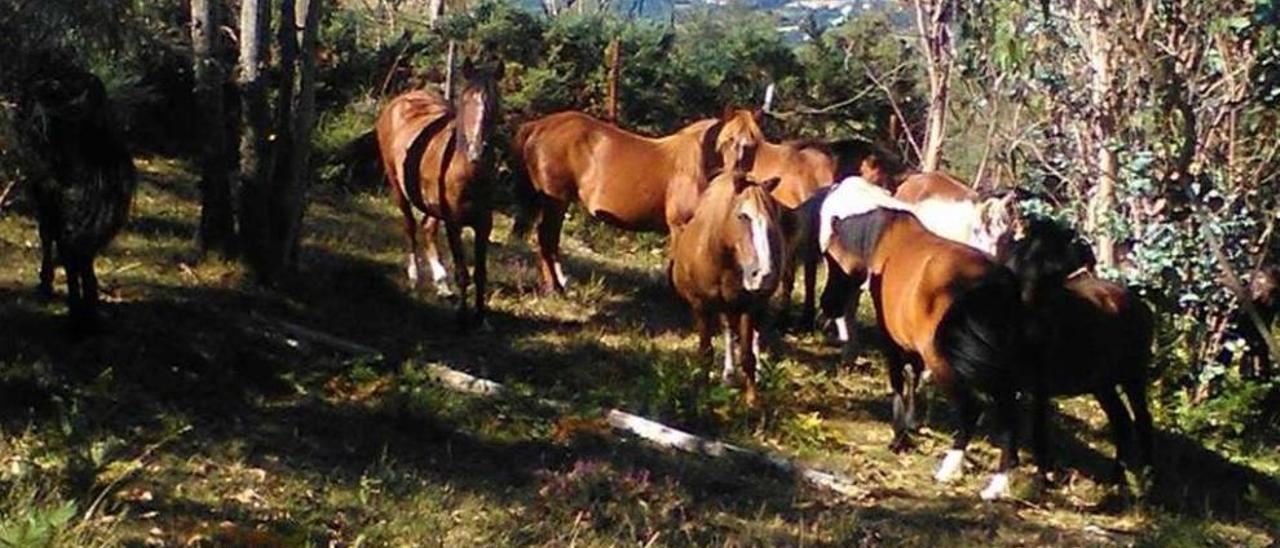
[
  {"x": 996, "y": 220},
  {"x": 738, "y": 138},
  {"x": 752, "y": 231},
  {"x": 477, "y": 108},
  {"x": 1046, "y": 256}
]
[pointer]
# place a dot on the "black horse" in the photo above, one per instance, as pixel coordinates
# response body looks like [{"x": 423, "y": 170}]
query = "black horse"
[
  {"x": 85, "y": 182},
  {"x": 1085, "y": 335}
]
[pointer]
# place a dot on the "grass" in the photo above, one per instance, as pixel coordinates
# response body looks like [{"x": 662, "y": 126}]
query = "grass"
[{"x": 190, "y": 423}]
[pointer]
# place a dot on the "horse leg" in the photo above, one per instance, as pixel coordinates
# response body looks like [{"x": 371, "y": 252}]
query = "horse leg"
[
  {"x": 439, "y": 274},
  {"x": 1007, "y": 421},
  {"x": 847, "y": 323},
  {"x": 453, "y": 231},
  {"x": 1040, "y": 432},
  {"x": 482, "y": 229},
  {"x": 901, "y": 434},
  {"x": 807, "y": 312},
  {"x": 706, "y": 356},
  {"x": 89, "y": 293},
  {"x": 45, "y": 289},
  {"x": 75, "y": 295},
  {"x": 913, "y": 392},
  {"x": 747, "y": 356},
  {"x": 729, "y": 373},
  {"x": 1118, "y": 416},
  {"x": 967, "y": 411},
  {"x": 553, "y": 278},
  {"x": 1136, "y": 391},
  {"x": 413, "y": 259}
]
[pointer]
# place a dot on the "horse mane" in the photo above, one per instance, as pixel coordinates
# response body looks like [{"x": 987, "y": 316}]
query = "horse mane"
[{"x": 859, "y": 234}]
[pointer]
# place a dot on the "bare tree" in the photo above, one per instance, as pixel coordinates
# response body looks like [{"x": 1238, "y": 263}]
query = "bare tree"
[
  {"x": 255, "y": 121},
  {"x": 933, "y": 22},
  {"x": 217, "y": 227}
]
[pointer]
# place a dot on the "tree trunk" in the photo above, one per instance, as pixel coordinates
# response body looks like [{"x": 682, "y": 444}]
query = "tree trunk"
[
  {"x": 217, "y": 227},
  {"x": 1102, "y": 203},
  {"x": 255, "y": 118},
  {"x": 435, "y": 11},
  {"x": 933, "y": 22},
  {"x": 615, "y": 69},
  {"x": 295, "y": 197},
  {"x": 282, "y": 150}
]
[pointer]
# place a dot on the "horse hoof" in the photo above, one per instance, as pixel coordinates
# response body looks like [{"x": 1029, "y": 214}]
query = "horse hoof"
[
  {"x": 952, "y": 467},
  {"x": 998, "y": 488},
  {"x": 900, "y": 444},
  {"x": 443, "y": 290}
]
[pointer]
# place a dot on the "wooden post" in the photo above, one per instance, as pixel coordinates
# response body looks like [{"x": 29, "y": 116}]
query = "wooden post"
[{"x": 615, "y": 68}]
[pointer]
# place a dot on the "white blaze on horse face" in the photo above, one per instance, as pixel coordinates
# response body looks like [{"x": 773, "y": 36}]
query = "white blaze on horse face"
[
  {"x": 853, "y": 196},
  {"x": 952, "y": 466},
  {"x": 759, "y": 227},
  {"x": 998, "y": 488},
  {"x": 730, "y": 370}
]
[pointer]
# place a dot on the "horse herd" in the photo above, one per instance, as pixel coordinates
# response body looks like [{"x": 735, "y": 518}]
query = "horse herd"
[{"x": 987, "y": 304}]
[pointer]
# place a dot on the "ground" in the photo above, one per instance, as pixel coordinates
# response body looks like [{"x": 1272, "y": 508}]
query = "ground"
[{"x": 195, "y": 421}]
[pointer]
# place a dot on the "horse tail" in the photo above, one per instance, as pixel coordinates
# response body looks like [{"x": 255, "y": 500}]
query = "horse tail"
[
  {"x": 526, "y": 195},
  {"x": 980, "y": 335}
]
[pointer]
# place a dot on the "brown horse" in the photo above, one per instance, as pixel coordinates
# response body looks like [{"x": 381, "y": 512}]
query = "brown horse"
[
  {"x": 942, "y": 306},
  {"x": 804, "y": 169},
  {"x": 1090, "y": 336},
  {"x": 433, "y": 153},
  {"x": 725, "y": 264},
  {"x": 627, "y": 180}
]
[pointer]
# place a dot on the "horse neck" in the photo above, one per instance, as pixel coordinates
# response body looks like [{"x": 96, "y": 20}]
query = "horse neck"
[{"x": 685, "y": 148}]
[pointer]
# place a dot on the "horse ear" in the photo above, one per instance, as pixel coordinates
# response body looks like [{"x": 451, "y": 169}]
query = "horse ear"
[
  {"x": 771, "y": 183},
  {"x": 740, "y": 182}
]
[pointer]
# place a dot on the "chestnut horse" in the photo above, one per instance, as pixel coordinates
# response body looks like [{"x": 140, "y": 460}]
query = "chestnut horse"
[
  {"x": 433, "y": 153},
  {"x": 1089, "y": 336},
  {"x": 725, "y": 264},
  {"x": 804, "y": 168},
  {"x": 630, "y": 181},
  {"x": 942, "y": 306}
]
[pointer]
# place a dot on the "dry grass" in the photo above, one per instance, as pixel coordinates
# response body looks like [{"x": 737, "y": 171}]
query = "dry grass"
[{"x": 191, "y": 424}]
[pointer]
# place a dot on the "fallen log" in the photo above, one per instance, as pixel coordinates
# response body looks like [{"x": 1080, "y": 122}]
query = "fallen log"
[
  {"x": 320, "y": 338},
  {"x": 659, "y": 434}
]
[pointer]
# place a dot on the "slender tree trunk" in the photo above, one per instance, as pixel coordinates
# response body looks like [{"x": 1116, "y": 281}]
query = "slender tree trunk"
[
  {"x": 282, "y": 150},
  {"x": 435, "y": 11},
  {"x": 1103, "y": 202},
  {"x": 255, "y": 163},
  {"x": 615, "y": 69},
  {"x": 933, "y": 22},
  {"x": 295, "y": 198},
  {"x": 217, "y": 226}
]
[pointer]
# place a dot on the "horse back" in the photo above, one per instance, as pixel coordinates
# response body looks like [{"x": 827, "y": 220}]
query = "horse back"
[
  {"x": 935, "y": 185},
  {"x": 1092, "y": 333},
  {"x": 802, "y": 171}
]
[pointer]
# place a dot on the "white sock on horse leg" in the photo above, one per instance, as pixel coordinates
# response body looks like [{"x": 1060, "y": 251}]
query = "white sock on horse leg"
[
  {"x": 560, "y": 277},
  {"x": 952, "y": 466},
  {"x": 729, "y": 370},
  {"x": 842, "y": 329},
  {"x": 440, "y": 275},
  {"x": 998, "y": 488},
  {"x": 413, "y": 265}
]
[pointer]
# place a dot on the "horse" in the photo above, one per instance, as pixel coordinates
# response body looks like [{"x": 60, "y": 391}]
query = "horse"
[
  {"x": 948, "y": 208},
  {"x": 942, "y": 306},
  {"x": 804, "y": 169},
  {"x": 434, "y": 157},
  {"x": 85, "y": 190},
  {"x": 629, "y": 181},
  {"x": 1088, "y": 335},
  {"x": 725, "y": 264}
]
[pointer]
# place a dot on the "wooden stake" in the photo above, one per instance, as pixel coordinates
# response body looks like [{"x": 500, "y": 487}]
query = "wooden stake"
[
  {"x": 448, "y": 73},
  {"x": 615, "y": 69}
]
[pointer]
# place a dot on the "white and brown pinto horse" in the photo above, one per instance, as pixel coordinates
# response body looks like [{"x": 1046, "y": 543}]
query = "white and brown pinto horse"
[
  {"x": 725, "y": 263},
  {"x": 943, "y": 307},
  {"x": 434, "y": 156},
  {"x": 948, "y": 208},
  {"x": 630, "y": 181}
]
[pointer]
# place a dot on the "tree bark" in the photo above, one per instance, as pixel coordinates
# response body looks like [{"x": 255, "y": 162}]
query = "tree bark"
[
  {"x": 435, "y": 11},
  {"x": 217, "y": 226},
  {"x": 282, "y": 151},
  {"x": 933, "y": 22},
  {"x": 1102, "y": 203},
  {"x": 255, "y": 119},
  {"x": 308, "y": 13}
]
